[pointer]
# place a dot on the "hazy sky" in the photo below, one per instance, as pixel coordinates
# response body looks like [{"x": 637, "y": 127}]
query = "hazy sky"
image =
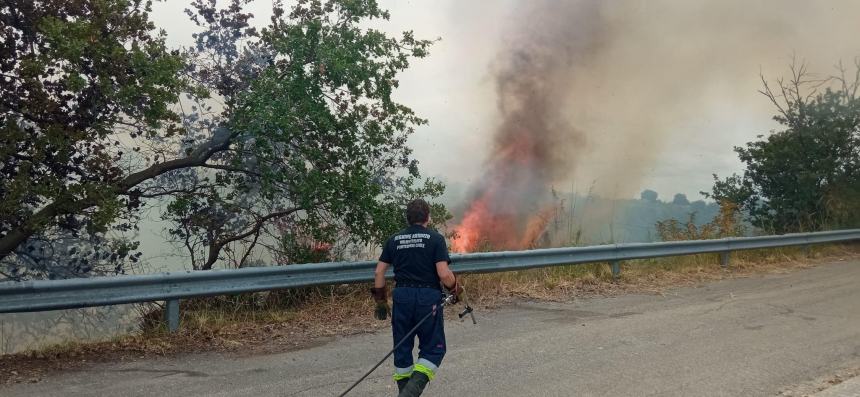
[{"x": 669, "y": 90}]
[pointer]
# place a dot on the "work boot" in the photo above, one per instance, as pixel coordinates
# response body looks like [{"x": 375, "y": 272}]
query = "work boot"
[
  {"x": 415, "y": 386},
  {"x": 401, "y": 383}
]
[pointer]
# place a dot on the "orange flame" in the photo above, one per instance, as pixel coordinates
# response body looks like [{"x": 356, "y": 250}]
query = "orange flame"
[
  {"x": 468, "y": 231},
  {"x": 481, "y": 226},
  {"x": 510, "y": 207},
  {"x": 495, "y": 216},
  {"x": 536, "y": 226}
]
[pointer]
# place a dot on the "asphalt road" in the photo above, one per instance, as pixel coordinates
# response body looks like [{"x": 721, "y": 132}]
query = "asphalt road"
[{"x": 745, "y": 337}]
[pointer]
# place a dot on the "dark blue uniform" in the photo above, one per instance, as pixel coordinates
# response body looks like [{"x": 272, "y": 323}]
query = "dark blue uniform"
[{"x": 414, "y": 252}]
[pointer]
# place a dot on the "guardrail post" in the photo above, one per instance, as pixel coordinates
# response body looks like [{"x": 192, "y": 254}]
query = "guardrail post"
[
  {"x": 171, "y": 314},
  {"x": 616, "y": 269},
  {"x": 724, "y": 259}
]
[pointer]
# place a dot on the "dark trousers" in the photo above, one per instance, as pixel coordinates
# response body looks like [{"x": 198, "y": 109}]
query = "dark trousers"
[{"x": 410, "y": 306}]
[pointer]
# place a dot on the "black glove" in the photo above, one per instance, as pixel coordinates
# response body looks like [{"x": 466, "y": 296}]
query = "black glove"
[{"x": 382, "y": 309}]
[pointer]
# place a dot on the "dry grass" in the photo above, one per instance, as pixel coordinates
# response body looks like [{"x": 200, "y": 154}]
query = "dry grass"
[
  {"x": 564, "y": 283},
  {"x": 285, "y": 320},
  {"x": 249, "y": 324}
]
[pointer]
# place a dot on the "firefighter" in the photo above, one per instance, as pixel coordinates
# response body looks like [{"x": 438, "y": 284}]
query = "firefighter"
[{"x": 420, "y": 259}]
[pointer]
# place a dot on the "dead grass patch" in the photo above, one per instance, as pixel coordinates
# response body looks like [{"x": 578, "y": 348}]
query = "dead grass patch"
[{"x": 563, "y": 283}]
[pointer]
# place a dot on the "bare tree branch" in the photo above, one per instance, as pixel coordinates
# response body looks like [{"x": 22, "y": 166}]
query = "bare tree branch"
[
  {"x": 216, "y": 246},
  {"x": 770, "y": 95},
  {"x": 196, "y": 158},
  {"x": 169, "y": 192},
  {"x": 248, "y": 251}
]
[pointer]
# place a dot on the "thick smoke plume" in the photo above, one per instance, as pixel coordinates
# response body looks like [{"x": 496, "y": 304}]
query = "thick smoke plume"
[{"x": 534, "y": 144}]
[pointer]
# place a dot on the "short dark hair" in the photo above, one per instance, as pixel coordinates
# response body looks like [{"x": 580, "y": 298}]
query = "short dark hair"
[{"x": 417, "y": 211}]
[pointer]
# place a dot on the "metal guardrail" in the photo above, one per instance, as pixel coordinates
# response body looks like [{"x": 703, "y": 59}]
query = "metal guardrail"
[{"x": 40, "y": 295}]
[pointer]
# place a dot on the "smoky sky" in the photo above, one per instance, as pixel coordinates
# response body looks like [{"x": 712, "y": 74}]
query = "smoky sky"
[
  {"x": 615, "y": 94},
  {"x": 607, "y": 94}
]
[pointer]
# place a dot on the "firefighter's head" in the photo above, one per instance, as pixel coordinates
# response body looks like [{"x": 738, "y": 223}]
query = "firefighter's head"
[{"x": 417, "y": 212}]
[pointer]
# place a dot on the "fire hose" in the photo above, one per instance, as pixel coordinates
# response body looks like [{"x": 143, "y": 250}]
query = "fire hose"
[{"x": 447, "y": 299}]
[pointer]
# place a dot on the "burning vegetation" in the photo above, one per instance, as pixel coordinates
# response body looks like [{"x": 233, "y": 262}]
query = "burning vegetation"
[{"x": 534, "y": 142}]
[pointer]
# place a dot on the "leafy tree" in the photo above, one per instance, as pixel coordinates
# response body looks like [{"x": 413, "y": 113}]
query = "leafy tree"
[
  {"x": 806, "y": 176},
  {"x": 648, "y": 195},
  {"x": 81, "y": 79},
  {"x": 680, "y": 199},
  {"x": 292, "y": 124},
  {"x": 733, "y": 189}
]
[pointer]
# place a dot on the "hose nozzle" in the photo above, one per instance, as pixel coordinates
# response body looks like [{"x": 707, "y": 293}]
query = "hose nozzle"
[{"x": 468, "y": 310}]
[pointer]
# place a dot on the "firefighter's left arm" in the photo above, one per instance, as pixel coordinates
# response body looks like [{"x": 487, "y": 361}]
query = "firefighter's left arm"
[
  {"x": 379, "y": 274},
  {"x": 445, "y": 274},
  {"x": 449, "y": 280}
]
